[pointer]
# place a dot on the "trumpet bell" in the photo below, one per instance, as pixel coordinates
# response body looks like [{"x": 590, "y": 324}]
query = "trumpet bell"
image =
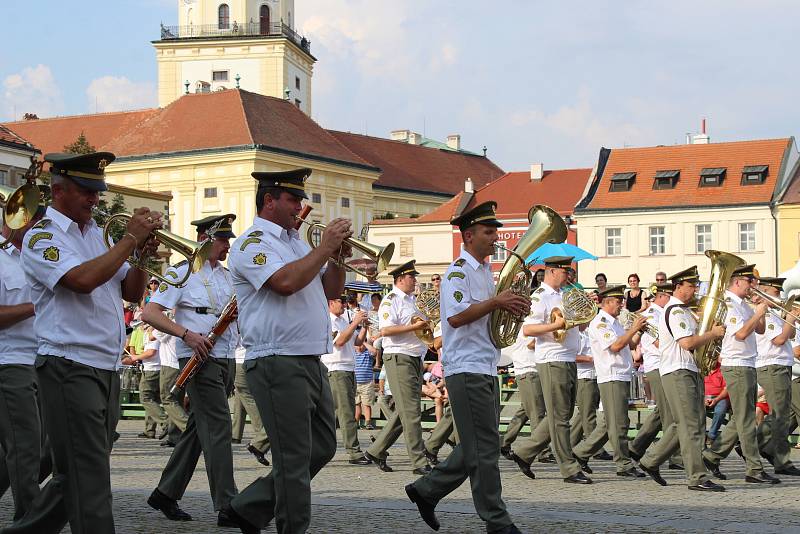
[
  {"x": 20, "y": 204},
  {"x": 380, "y": 256}
]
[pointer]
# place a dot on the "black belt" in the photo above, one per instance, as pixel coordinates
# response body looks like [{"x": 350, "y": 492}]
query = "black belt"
[{"x": 205, "y": 311}]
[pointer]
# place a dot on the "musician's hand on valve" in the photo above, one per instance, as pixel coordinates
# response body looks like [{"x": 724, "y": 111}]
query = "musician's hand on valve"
[
  {"x": 513, "y": 303},
  {"x": 762, "y": 308},
  {"x": 559, "y": 322},
  {"x": 718, "y": 330},
  {"x": 639, "y": 323},
  {"x": 359, "y": 317},
  {"x": 335, "y": 232},
  {"x": 200, "y": 344},
  {"x": 142, "y": 223}
]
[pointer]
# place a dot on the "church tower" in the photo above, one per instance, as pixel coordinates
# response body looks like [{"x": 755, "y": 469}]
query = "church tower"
[{"x": 224, "y": 44}]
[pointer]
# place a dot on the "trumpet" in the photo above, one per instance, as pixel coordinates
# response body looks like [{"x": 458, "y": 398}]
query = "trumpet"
[
  {"x": 196, "y": 253},
  {"x": 627, "y": 317}
]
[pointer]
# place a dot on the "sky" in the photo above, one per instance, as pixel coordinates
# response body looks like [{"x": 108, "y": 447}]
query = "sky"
[{"x": 533, "y": 81}]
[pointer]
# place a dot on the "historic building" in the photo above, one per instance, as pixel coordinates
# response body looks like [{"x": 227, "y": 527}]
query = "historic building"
[{"x": 15, "y": 157}]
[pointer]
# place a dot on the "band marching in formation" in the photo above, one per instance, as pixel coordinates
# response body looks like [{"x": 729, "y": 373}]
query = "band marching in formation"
[{"x": 277, "y": 308}]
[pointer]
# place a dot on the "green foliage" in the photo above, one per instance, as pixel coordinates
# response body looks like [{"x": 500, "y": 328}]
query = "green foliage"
[{"x": 80, "y": 146}]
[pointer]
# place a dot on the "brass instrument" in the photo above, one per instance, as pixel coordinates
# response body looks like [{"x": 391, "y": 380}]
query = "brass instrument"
[
  {"x": 712, "y": 307},
  {"x": 627, "y": 318},
  {"x": 380, "y": 255},
  {"x": 373, "y": 324},
  {"x": 428, "y": 305},
  {"x": 782, "y": 308},
  {"x": 546, "y": 226},
  {"x": 21, "y": 203},
  {"x": 196, "y": 253},
  {"x": 578, "y": 308}
]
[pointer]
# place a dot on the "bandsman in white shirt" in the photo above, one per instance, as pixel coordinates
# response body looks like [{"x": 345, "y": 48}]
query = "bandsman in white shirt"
[
  {"x": 198, "y": 305},
  {"x": 23, "y": 456},
  {"x": 403, "y": 352},
  {"x": 613, "y": 362},
  {"x": 341, "y": 365},
  {"x": 149, "y": 383},
  {"x": 774, "y": 370},
  {"x": 738, "y": 363},
  {"x": 683, "y": 386},
  {"x": 587, "y": 396},
  {"x": 658, "y": 419},
  {"x": 77, "y": 286},
  {"x": 283, "y": 286},
  {"x": 172, "y": 402},
  {"x": 470, "y": 362},
  {"x": 555, "y": 362}
]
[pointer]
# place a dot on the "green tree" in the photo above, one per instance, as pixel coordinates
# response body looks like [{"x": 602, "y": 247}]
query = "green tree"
[{"x": 80, "y": 146}]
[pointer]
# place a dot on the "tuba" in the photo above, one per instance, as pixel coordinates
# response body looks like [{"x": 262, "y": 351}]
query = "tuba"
[
  {"x": 546, "y": 226},
  {"x": 712, "y": 307},
  {"x": 578, "y": 309}
]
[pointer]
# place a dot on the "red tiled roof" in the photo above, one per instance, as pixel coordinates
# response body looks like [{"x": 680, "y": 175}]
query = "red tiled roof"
[
  {"x": 418, "y": 168},
  {"x": 51, "y": 135},
  {"x": 9, "y": 138},
  {"x": 690, "y": 160}
]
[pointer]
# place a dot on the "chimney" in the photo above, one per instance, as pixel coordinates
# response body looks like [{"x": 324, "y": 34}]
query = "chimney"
[
  {"x": 400, "y": 135},
  {"x": 414, "y": 138},
  {"x": 454, "y": 141},
  {"x": 468, "y": 186},
  {"x": 537, "y": 172},
  {"x": 702, "y": 138}
]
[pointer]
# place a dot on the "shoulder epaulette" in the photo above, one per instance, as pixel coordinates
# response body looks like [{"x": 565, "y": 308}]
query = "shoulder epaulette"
[
  {"x": 390, "y": 296},
  {"x": 181, "y": 263},
  {"x": 539, "y": 289},
  {"x": 42, "y": 224},
  {"x": 459, "y": 262},
  {"x": 255, "y": 233}
]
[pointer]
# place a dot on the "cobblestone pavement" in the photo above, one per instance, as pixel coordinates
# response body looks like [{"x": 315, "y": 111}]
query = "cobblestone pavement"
[{"x": 362, "y": 499}]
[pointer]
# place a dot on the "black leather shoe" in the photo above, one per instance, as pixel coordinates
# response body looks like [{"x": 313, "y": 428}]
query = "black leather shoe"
[
  {"x": 167, "y": 506},
  {"x": 146, "y": 435},
  {"x": 508, "y": 529},
  {"x": 426, "y": 510},
  {"x": 360, "y": 461},
  {"x": 714, "y": 469},
  {"x": 229, "y": 518},
  {"x": 258, "y": 454},
  {"x": 422, "y": 471},
  {"x": 505, "y": 451},
  {"x": 604, "y": 456},
  {"x": 578, "y": 478},
  {"x": 432, "y": 458},
  {"x": 167, "y": 443},
  {"x": 654, "y": 474},
  {"x": 381, "y": 464},
  {"x": 632, "y": 472},
  {"x": 634, "y": 455},
  {"x": 524, "y": 466},
  {"x": 675, "y": 467},
  {"x": 792, "y": 471},
  {"x": 762, "y": 478},
  {"x": 708, "y": 485},
  {"x": 547, "y": 459},
  {"x": 583, "y": 464},
  {"x": 164, "y": 432}
]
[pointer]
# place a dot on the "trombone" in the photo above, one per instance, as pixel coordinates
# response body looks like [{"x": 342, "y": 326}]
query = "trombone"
[
  {"x": 196, "y": 253},
  {"x": 781, "y": 308}
]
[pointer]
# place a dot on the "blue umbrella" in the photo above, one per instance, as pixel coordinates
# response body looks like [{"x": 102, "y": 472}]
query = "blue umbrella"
[
  {"x": 364, "y": 287},
  {"x": 558, "y": 249}
]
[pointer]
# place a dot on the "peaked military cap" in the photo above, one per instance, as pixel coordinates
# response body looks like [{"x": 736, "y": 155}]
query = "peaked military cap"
[
  {"x": 480, "y": 214},
  {"x": 687, "y": 275},
  {"x": 559, "y": 261},
  {"x": 223, "y": 230},
  {"x": 747, "y": 271},
  {"x": 614, "y": 291},
  {"x": 664, "y": 288},
  {"x": 406, "y": 268},
  {"x": 293, "y": 181},
  {"x": 87, "y": 170},
  {"x": 771, "y": 281}
]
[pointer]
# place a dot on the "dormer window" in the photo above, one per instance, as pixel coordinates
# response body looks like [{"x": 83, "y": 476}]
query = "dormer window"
[
  {"x": 622, "y": 181},
  {"x": 712, "y": 176},
  {"x": 754, "y": 174},
  {"x": 666, "y": 179}
]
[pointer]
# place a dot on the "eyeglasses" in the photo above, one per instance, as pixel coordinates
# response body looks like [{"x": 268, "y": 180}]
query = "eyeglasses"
[{"x": 437, "y": 279}]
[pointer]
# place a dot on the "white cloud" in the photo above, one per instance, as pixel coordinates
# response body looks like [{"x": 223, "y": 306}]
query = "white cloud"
[
  {"x": 118, "y": 93},
  {"x": 33, "y": 90}
]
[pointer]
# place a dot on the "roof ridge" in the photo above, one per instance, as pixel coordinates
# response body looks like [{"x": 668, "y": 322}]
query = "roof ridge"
[
  {"x": 244, "y": 115},
  {"x": 403, "y": 143},
  {"x": 68, "y": 117},
  {"x": 705, "y": 145}
]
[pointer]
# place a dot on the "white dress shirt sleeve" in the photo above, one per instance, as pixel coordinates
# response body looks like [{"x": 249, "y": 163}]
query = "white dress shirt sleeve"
[
  {"x": 389, "y": 311},
  {"x": 167, "y": 295},
  {"x": 455, "y": 294},
  {"x": 603, "y": 334},
  {"x": 48, "y": 256},
  {"x": 679, "y": 324},
  {"x": 734, "y": 320},
  {"x": 258, "y": 262}
]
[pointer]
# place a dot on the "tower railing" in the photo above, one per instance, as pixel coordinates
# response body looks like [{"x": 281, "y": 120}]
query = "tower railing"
[{"x": 234, "y": 30}]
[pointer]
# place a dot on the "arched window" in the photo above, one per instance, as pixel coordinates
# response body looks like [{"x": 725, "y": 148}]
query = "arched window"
[
  {"x": 224, "y": 17},
  {"x": 263, "y": 19}
]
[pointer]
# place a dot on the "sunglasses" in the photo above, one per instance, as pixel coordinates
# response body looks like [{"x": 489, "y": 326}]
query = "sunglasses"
[{"x": 435, "y": 279}]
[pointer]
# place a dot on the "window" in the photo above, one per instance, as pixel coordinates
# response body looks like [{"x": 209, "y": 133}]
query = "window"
[
  {"x": 754, "y": 174},
  {"x": 297, "y": 82},
  {"x": 622, "y": 181},
  {"x": 712, "y": 177},
  {"x": 407, "y": 247},
  {"x": 297, "y": 102},
  {"x": 224, "y": 13},
  {"x": 658, "y": 240},
  {"x": 666, "y": 179},
  {"x": 703, "y": 239},
  {"x": 613, "y": 241},
  {"x": 500, "y": 254},
  {"x": 219, "y": 75},
  {"x": 316, "y": 198},
  {"x": 210, "y": 192},
  {"x": 263, "y": 19},
  {"x": 747, "y": 236},
  {"x": 345, "y": 202},
  {"x": 4, "y": 178},
  {"x": 316, "y": 235}
]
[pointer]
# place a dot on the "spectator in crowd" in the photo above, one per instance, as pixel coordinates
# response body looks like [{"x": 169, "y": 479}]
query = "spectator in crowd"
[
  {"x": 375, "y": 300},
  {"x": 601, "y": 281},
  {"x": 436, "y": 280},
  {"x": 538, "y": 278},
  {"x": 152, "y": 287},
  {"x": 762, "y": 406},
  {"x": 365, "y": 383},
  {"x": 661, "y": 277},
  {"x": 634, "y": 301},
  {"x": 149, "y": 388},
  {"x": 385, "y": 400}
]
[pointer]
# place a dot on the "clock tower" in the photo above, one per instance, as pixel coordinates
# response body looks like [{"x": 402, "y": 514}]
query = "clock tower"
[{"x": 224, "y": 44}]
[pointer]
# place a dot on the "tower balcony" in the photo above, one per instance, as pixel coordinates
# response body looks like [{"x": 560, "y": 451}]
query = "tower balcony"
[{"x": 235, "y": 30}]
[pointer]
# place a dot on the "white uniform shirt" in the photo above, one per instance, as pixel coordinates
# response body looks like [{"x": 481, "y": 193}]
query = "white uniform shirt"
[
  {"x": 85, "y": 328},
  {"x": 397, "y": 309},
  {"x": 17, "y": 342},
  {"x": 208, "y": 288},
  {"x": 586, "y": 370},
  {"x": 153, "y": 363},
  {"x": 650, "y": 353},
  {"x": 166, "y": 349},
  {"x": 682, "y": 324},
  {"x": 603, "y": 331},
  {"x": 296, "y": 325},
  {"x": 524, "y": 358},
  {"x": 796, "y": 364},
  {"x": 341, "y": 358},
  {"x": 543, "y": 300},
  {"x": 467, "y": 349},
  {"x": 769, "y": 353},
  {"x": 737, "y": 353}
]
